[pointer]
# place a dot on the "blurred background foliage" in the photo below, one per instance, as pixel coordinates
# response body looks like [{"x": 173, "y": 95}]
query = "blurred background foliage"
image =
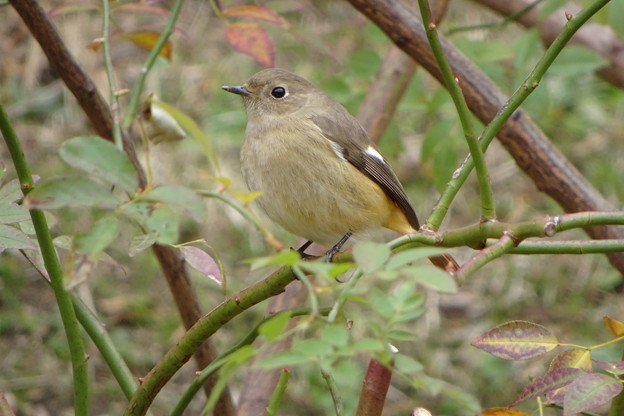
[{"x": 329, "y": 43}]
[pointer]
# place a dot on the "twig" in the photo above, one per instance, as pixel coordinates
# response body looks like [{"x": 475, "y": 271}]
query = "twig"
[
  {"x": 112, "y": 83},
  {"x": 278, "y": 393},
  {"x": 137, "y": 90},
  {"x": 488, "y": 210},
  {"x": 55, "y": 272}
]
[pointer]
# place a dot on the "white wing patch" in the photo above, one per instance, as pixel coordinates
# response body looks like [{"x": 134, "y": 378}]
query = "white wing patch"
[{"x": 371, "y": 151}]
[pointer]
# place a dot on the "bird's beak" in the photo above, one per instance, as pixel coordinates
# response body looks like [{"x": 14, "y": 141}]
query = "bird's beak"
[{"x": 242, "y": 90}]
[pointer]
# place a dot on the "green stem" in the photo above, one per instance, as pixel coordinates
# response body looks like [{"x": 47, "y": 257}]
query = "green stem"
[
  {"x": 200, "y": 332},
  {"x": 488, "y": 210},
  {"x": 509, "y": 19},
  {"x": 108, "y": 63},
  {"x": 106, "y": 346},
  {"x": 333, "y": 390},
  {"x": 569, "y": 247},
  {"x": 278, "y": 393},
  {"x": 514, "y": 102},
  {"x": 137, "y": 90},
  {"x": 53, "y": 267},
  {"x": 502, "y": 246},
  {"x": 207, "y": 372}
]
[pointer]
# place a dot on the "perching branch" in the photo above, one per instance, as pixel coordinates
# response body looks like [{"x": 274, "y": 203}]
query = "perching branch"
[{"x": 200, "y": 332}]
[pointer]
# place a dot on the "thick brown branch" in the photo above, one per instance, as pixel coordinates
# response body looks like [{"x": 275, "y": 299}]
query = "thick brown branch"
[
  {"x": 533, "y": 152},
  {"x": 601, "y": 39}
]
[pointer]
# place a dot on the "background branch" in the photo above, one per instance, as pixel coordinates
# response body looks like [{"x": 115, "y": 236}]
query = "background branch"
[
  {"x": 601, "y": 39},
  {"x": 533, "y": 152}
]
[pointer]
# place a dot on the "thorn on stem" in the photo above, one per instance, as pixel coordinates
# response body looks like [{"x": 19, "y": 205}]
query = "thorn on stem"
[{"x": 569, "y": 16}]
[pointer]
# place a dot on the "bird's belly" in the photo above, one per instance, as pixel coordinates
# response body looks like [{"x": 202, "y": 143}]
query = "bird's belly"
[{"x": 319, "y": 196}]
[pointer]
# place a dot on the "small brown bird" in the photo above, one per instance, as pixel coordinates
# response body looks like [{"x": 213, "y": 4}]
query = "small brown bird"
[{"x": 321, "y": 176}]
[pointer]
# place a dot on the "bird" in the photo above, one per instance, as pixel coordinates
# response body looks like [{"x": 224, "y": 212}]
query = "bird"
[{"x": 320, "y": 175}]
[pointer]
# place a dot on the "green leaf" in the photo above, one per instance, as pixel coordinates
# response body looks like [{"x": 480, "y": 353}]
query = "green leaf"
[
  {"x": 283, "y": 359},
  {"x": 548, "y": 7},
  {"x": 100, "y": 158},
  {"x": 189, "y": 125},
  {"x": 337, "y": 335},
  {"x": 10, "y": 191},
  {"x": 370, "y": 256},
  {"x": 412, "y": 255},
  {"x": 100, "y": 236},
  {"x": 283, "y": 258},
  {"x": 381, "y": 303},
  {"x": 576, "y": 60},
  {"x": 363, "y": 63},
  {"x": 432, "y": 278},
  {"x": 11, "y": 237},
  {"x": 312, "y": 348},
  {"x": 70, "y": 191},
  {"x": 11, "y": 213},
  {"x": 400, "y": 335},
  {"x": 180, "y": 196},
  {"x": 164, "y": 221},
  {"x": 525, "y": 47},
  {"x": 142, "y": 242},
  {"x": 406, "y": 364},
  {"x": 273, "y": 327},
  {"x": 368, "y": 344}
]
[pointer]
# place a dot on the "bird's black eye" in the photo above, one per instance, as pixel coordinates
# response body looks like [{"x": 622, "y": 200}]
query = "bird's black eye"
[{"x": 278, "y": 92}]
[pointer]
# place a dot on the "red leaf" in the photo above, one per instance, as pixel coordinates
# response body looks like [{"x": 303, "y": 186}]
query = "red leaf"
[
  {"x": 613, "y": 367},
  {"x": 251, "y": 39},
  {"x": 588, "y": 392},
  {"x": 550, "y": 382},
  {"x": 573, "y": 359},
  {"x": 202, "y": 262},
  {"x": 257, "y": 13},
  {"x": 516, "y": 340}
]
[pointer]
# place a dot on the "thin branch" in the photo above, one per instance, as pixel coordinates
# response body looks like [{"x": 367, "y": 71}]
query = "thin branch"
[
  {"x": 333, "y": 390},
  {"x": 278, "y": 393},
  {"x": 494, "y": 251},
  {"x": 55, "y": 272},
  {"x": 488, "y": 210},
  {"x": 108, "y": 63},
  {"x": 137, "y": 90}
]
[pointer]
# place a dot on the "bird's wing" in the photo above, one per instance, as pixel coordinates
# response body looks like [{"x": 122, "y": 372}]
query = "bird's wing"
[{"x": 353, "y": 144}]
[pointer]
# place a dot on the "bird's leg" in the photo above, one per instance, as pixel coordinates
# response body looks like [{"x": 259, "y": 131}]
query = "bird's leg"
[
  {"x": 301, "y": 250},
  {"x": 336, "y": 248}
]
